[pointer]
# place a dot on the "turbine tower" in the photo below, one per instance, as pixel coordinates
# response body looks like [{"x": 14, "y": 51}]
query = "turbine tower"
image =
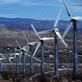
[
  {"x": 10, "y": 60},
  {"x": 41, "y": 43},
  {"x": 1, "y": 58},
  {"x": 16, "y": 55},
  {"x": 23, "y": 63},
  {"x": 74, "y": 26}
]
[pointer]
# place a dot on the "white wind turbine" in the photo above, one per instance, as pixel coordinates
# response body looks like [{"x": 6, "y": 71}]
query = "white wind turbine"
[
  {"x": 23, "y": 57},
  {"x": 55, "y": 30},
  {"x": 41, "y": 43},
  {"x": 73, "y": 24},
  {"x": 27, "y": 53},
  {"x": 1, "y": 59},
  {"x": 30, "y": 44},
  {"x": 10, "y": 60},
  {"x": 16, "y": 55},
  {"x": 26, "y": 49}
]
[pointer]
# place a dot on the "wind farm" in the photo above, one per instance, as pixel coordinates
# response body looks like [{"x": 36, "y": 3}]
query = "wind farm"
[{"x": 36, "y": 50}]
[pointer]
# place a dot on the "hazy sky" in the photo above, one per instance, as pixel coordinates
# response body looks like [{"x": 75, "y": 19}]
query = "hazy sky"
[{"x": 38, "y": 9}]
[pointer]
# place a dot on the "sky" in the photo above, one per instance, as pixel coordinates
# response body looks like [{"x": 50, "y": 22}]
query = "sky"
[{"x": 39, "y": 9}]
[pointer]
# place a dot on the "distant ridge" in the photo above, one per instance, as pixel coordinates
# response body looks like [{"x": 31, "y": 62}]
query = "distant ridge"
[{"x": 24, "y": 23}]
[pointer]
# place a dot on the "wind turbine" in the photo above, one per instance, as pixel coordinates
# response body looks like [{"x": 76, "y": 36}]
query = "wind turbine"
[
  {"x": 73, "y": 24},
  {"x": 34, "y": 58},
  {"x": 16, "y": 55},
  {"x": 41, "y": 40},
  {"x": 26, "y": 49},
  {"x": 30, "y": 44},
  {"x": 23, "y": 65},
  {"x": 10, "y": 60},
  {"x": 22, "y": 51},
  {"x": 55, "y": 30},
  {"x": 1, "y": 58}
]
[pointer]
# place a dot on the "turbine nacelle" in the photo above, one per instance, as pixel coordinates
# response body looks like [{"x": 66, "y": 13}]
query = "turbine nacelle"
[
  {"x": 32, "y": 43},
  {"x": 16, "y": 54},
  {"x": 76, "y": 18},
  {"x": 47, "y": 38},
  {"x": 56, "y": 29}
]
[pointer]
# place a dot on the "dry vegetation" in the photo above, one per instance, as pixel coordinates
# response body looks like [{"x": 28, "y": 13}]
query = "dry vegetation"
[{"x": 8, "y": 37}]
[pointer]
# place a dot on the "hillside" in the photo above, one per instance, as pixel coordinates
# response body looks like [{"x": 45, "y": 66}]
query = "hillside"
[{"x": 25, "y": 23}]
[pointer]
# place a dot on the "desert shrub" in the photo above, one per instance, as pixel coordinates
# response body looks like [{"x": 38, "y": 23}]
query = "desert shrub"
[
  {"x": 56, "y": 79},
  {"x": 40, "y": 78},
  {"x": 5, "y": 75}
]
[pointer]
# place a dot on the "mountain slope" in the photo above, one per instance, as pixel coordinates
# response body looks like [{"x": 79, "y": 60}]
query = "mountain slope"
[{"x": 25, "y": 23}]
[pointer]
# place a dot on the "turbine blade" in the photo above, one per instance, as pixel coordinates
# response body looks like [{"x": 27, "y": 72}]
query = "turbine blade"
[
  {"x": 37, "y": 47},
  {"x": 25, "y": 37},
  {"x": 60, "y": 37},
  {"x": 56, "y": 22},
  {"x": 20, "y": 49},
  {"x": 28, "y": 48},
  {"x": 45, "y": 31},
  {"x": 78, "y": 18},
  {"x": 36, "y": 33},
  {"x": 18, "y": 44},
  {"x": 34, "y": 58},
  {"x": 33, "y": 43},
  {"x": 66, "y": 7},
  {"x": 66, "y": 31},
  {"x": 47, "y": 38},
  {"x": 40, "y": 61},
  {"x": 24, "y": 48}
]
